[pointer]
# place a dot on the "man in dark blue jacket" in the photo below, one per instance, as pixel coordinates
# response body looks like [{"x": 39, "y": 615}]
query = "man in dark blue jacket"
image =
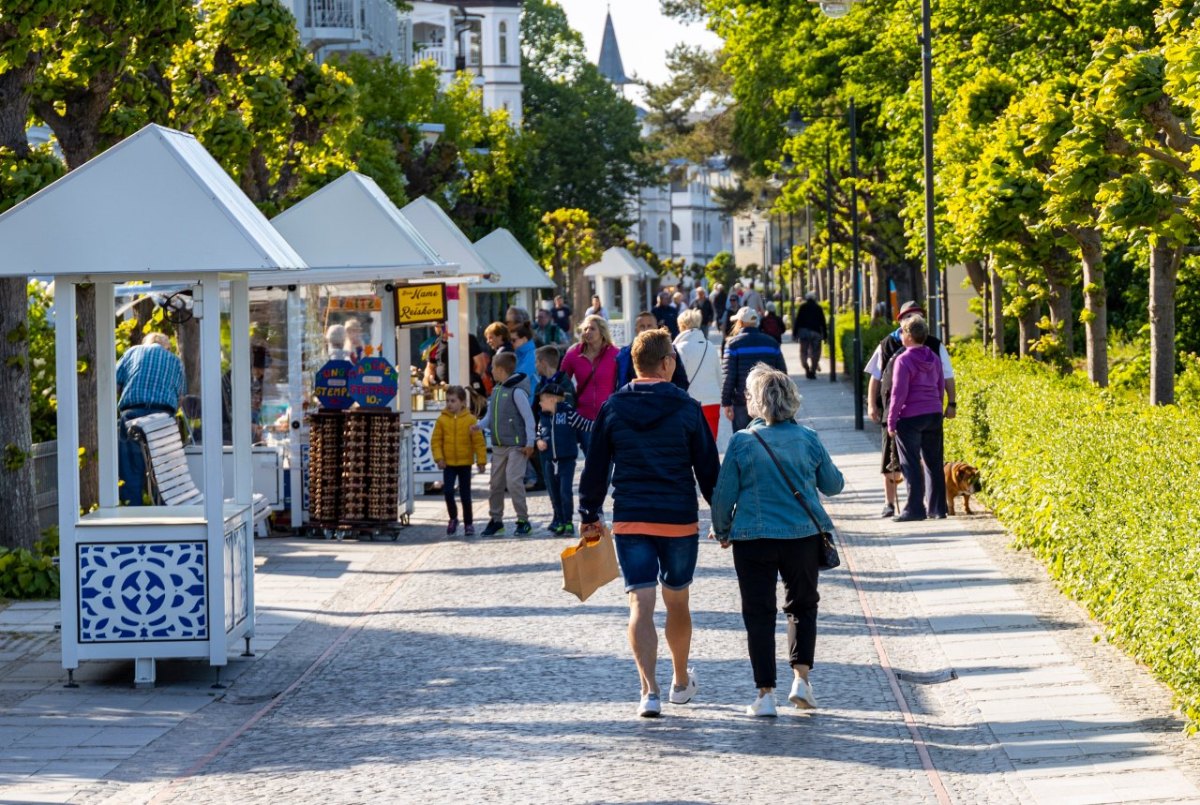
[
  {"x": 743, "y": 352},
  {"x": 653, "y": 438}
]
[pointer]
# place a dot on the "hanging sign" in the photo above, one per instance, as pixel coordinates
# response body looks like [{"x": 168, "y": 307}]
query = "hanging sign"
[
  {"x": 332, "y": 387},
  {"x": 420, "y": 304},
  {"x": 374, "y": 382}
]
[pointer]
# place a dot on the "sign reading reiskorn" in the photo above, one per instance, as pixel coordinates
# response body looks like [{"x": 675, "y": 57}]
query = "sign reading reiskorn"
[{"x": 420, "y": 304}]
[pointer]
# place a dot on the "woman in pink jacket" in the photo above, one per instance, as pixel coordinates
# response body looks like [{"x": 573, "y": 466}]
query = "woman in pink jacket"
[
  {"x": 915, "y": 421},
  {"x": 592, "y": 365}
]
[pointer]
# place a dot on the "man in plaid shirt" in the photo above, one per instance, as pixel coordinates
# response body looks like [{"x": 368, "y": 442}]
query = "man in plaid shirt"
[{"x": 150, "y": 379}]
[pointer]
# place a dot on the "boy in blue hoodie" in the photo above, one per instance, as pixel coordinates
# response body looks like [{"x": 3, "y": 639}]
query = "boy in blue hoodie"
[{"x": 558, "y": 426}]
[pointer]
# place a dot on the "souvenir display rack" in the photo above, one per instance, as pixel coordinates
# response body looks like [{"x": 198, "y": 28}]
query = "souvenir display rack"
[{"x": 354, "y": 471}]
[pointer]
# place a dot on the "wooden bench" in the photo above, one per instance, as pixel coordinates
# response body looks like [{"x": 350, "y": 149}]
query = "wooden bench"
[{"x": 167, "y": 470}]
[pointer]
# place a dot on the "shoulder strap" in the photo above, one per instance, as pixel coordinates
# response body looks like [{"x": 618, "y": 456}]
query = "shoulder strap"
[
  {"x": 795, "y": 492},
  {"x": 699, "y": 365}
]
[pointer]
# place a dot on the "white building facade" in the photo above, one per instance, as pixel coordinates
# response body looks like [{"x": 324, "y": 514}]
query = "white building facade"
[{"x": 480, "y": 37}]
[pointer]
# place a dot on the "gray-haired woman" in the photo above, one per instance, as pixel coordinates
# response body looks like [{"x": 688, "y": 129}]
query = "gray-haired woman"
[{"x": 771, "y": 532}]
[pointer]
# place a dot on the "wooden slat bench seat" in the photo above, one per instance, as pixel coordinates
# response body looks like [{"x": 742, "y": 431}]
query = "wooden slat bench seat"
[{"x": 166, "y": 466}]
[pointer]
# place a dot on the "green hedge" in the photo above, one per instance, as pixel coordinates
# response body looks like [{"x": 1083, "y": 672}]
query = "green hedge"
[
  {"x": 1104, "y": 492},
  {"x": 872, "y": 334},
  {"x": 30, "y": 574}
]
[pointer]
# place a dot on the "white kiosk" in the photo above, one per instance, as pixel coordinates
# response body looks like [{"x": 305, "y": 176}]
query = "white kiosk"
[
  {"x": 358, "y": 246},
  {"x": 621, "y": 281},
  {"x": 518, "y": 272},
  {"x": 150, "y": 582},
  {"x": 448, "y": 241}
]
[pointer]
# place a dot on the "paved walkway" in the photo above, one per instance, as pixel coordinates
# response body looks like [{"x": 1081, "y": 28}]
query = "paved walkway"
[{"x": 434, "y": 670}]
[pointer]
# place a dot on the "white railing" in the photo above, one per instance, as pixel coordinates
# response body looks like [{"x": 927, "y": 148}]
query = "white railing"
[
  {"x": 329, "y": 14},
  {"x": 439, "y": 54}
]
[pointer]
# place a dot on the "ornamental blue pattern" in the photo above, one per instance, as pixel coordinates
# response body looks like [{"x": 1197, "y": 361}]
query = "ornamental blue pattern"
[
  {"x": 423, "y": 446},
  {"x": 150, "y": 375},
  {"x": 146, "y": 592},
  {"x": 237, "y": 580}
]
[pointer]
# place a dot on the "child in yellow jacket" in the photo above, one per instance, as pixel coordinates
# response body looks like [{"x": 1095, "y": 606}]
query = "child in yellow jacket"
[{"x": 454, "y": 444}]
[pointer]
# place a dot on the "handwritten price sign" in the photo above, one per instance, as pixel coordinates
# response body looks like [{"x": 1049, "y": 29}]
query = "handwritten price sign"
[
  {"x": 332, "y": 385},
  {"x": 420, "y": 304},
  {"x": 374, "y": 382}
]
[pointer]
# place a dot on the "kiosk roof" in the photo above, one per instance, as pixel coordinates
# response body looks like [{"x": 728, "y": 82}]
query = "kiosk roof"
[
  {"x": 351, "y": 224},
  {"x": 444, "y": 236},
  {"x": 508, "y": 258},
  {"x": 154, "y": 203}
]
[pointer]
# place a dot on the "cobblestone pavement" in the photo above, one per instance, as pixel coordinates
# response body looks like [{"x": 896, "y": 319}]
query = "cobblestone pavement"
[{"x": 435, "y": 670}]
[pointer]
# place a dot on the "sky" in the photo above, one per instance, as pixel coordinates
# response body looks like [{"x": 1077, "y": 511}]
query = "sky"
[{"x": 643, "y": 33}]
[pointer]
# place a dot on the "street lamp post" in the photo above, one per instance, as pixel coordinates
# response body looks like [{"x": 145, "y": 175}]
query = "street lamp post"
[{"x": 831, "y": 290}]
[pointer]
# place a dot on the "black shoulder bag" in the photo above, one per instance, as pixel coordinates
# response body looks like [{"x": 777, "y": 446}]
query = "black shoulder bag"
[{"x": 829, "y": 552}]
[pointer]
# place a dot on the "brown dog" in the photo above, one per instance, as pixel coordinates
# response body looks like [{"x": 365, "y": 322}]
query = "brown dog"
[{"x": 961, "y": 479}]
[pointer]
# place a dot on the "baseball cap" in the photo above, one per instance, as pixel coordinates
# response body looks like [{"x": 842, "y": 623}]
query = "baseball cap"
[
  {"x": 554, "y": 390},
  {"x": 748, "y": 315},
  {"x": 910, "y": 307}
]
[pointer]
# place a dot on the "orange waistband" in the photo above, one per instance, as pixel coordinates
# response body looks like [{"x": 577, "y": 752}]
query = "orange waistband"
[{"x": 656, "y": 529}]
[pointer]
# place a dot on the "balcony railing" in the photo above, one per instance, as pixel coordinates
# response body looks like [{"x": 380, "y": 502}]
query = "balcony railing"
[
  {"x": 438, "y": 53},
  {"x": 329, "y": 14}
]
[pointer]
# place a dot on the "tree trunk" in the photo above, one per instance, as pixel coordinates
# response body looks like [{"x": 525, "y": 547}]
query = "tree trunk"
[
  {"x": 879, "y": 287},
  {"x": 1027, "y": 325},
  {"x": 978, "y": 275},
  {"x": 1095, "y": 305},
  {"x": 1164, "y": 262},
  {"x": 997, "y": 314},
  {"x": 89, "y": 431},
  {"x": 18, "y": 503},
  {"x": 187, "y": 339},
  {"x": 1061, "y": 311}
]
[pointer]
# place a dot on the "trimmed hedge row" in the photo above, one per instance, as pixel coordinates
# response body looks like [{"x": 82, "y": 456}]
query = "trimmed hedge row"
[
  {"x": 1105, "y": 492},
  {"x": 872, "y": 334}
]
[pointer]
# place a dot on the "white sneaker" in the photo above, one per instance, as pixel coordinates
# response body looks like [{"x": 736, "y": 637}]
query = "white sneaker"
[
  {"x": 650, "y": 706},
  {"x": 802, "y": 695},
  {"x": 763, "y": 707},
  {"x": 684, "y": 695}
]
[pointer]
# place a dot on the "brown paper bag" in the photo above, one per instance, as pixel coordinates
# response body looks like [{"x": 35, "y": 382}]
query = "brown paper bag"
[{"x": 589, "y": 565}]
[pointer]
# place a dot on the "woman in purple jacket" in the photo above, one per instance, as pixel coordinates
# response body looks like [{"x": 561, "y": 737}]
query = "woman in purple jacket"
[{"x": 915, "y": 421}]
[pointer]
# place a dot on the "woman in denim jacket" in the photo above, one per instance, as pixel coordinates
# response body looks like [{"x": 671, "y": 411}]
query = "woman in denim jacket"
[{"x": 772, "y": 535}]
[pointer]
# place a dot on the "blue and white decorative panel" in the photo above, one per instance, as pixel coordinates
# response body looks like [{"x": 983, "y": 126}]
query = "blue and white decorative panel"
[
  {"x": 143, "y": 592},
  {"x": 237, "y": 579},
  {"x": 423, "y": 446}
]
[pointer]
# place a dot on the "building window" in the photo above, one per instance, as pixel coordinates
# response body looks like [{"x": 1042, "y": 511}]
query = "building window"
[
  {"x": 707, "y": 232},
  {"x": 504, "y": 43},
  {"x": 674, "y": 232},
  {"x": 662, "y": 236},
  {"x": 695, "y": 230}
]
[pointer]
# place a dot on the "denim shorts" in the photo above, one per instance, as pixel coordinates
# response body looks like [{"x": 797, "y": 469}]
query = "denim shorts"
[{"x": 647, "y": 561}]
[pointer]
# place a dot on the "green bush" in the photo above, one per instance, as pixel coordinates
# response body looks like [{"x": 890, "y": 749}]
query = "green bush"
[
  {"x": 30, "y": 574},
  {"x": 1103, "y": 490},
  {"x": 872, "y": 334}
]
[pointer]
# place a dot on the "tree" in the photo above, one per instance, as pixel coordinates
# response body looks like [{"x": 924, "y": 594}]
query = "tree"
[
  {"x": 23, "y": 171},
  {"x": 587, "y": 151},
  {"x": 569, "y": 242}
]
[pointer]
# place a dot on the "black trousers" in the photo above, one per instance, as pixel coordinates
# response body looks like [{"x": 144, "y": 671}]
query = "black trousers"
[
  {"x": 759, "y": 563},
  {"x": 918, "y": 439},
  {"x": 461, "y": 475}
]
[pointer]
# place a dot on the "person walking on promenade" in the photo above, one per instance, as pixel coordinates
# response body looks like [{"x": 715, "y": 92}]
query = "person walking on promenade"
[
  {"x": 558, "y": 447},
  {"x": 592, "y": 365},
  {"x": 879, "y": 390},
  {"x": 654, "y": 441},
  {"x": 596, "y": 309},
  {"x": 914, "y": 420},
  {"x": 454, "y": 443},
  {"x": 561, "y": 315},
  {"x": 771, "y": 324},
  {"x": 743, "y": 352},
  {"x": 625, "y": 373},
  {"x": 511, "y": 422},
  {"x": 705, "y": 306},
  {"x": 665, "y": 313},
  {"x": 499, "y": 340},
  {"x": 772, "y": 535},
  {"x": 701, "y": 366},
  {"x": 150, "y": 380},
  {"x": 546, "y": 332},
  {"x": 753, "y": 299},
  {"x": 809, "y": 330}
]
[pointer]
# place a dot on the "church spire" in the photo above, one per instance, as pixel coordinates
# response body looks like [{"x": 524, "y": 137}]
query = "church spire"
[{"x": 610, "y": 55}]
